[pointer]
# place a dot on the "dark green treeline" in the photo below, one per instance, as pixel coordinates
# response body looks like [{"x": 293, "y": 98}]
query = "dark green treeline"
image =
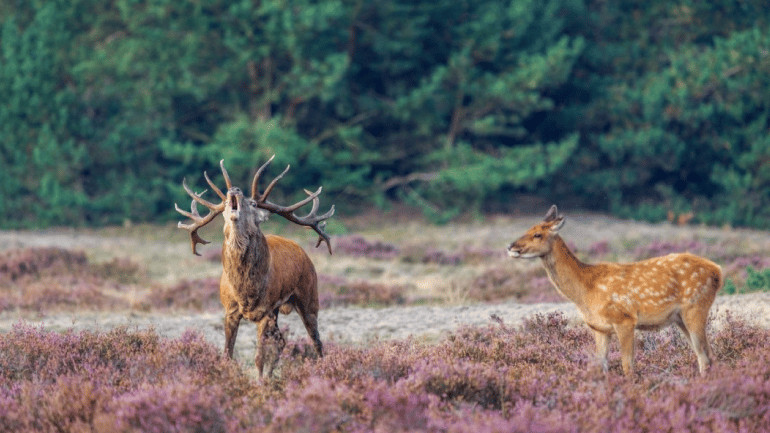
[{"x": 633, "y": 107}]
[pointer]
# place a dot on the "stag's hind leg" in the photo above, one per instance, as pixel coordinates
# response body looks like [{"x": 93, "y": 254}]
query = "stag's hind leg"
[
  {"x": 309, "y": 316},
  {"x": 270, "y": 344}
]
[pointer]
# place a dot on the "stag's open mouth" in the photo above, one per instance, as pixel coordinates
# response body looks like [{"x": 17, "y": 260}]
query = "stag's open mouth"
[{"x": 233, "y": 204}]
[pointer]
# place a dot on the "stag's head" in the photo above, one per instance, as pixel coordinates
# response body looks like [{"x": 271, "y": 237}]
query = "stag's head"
[
  {"x": 538, "y": 240},
  {"x": 244, "y": 214}
]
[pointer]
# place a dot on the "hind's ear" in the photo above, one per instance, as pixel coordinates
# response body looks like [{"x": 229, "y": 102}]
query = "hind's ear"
[
  {"x": 552, "y": 214},
  {"x": 558, "y": 223}
]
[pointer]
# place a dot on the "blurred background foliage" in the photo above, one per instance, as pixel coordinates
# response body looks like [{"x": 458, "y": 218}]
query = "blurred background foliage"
[{"x": 639, "y": 108}]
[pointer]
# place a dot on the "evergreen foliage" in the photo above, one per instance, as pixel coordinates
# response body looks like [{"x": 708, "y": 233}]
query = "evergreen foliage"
[{"x": 639, "y": 108}]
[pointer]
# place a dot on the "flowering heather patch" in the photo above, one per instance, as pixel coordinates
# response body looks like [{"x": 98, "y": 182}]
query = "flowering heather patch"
[
  {"x": 200, "y": 295},
  {"x": 465, "y": 255},
  {"x": 499, "y": 283},
  {"x": 119, "y": 381},
  {"x": 212, "y": 255},
  {"x": 539, "y": 377},
  {"x": 661, "y": 248},
  {"x": 36, "y": 262},
  {"x": 334, "y": 291},
  {"x": 599, "y": 249},
  {"x": 358, "y": 246},
  {"x": 41, "y": 278},
  {"x": 440, "y": 257}
]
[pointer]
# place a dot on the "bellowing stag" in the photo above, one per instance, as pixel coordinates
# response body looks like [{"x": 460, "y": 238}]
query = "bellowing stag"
[{"x": 262, "y": 275}]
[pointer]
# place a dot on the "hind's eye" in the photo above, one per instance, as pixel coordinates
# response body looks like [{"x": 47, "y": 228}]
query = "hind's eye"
[{"x": 537, "y": 236}]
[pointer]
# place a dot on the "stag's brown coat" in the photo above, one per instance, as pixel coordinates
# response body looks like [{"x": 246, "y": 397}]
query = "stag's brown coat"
[{"x": 261, "y": 275}]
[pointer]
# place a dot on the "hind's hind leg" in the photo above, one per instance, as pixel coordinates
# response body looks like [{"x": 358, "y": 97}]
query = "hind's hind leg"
[{"x": 694, "y": 320}]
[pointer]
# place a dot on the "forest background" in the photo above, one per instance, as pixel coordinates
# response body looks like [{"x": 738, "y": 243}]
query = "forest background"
[{"x": 636, "y": 108}]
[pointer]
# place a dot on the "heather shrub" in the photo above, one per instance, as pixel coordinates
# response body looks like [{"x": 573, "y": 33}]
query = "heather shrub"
[
  {"x": 43, "y": 278},
  {"x": 499, "y": 283},
  {"x": 120, "y": 269},
  {"x": 199, "y": 295},
  {"x": 422, "y": 254},
  {"x": 540, "y": 377},
  {"x": 183, "y": 407},
  {"x": 120, "y": 381},
  {"x": 658, "y": 248},
  {"x": 336, "y": 291},
  {"x": 35, "y": 262},
  {"x": 599, "y": 249},
  {"x": 212, "y": 255},
  {"x": 359, "y": 246}
]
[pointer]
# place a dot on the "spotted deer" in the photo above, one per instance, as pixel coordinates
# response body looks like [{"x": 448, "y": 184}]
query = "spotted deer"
[
  {"x": 621, "y": 297},
  {"x": 262, "y": 275}
]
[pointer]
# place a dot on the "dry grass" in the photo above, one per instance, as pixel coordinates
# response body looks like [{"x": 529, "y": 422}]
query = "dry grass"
[{"x": 383, "y": 260}]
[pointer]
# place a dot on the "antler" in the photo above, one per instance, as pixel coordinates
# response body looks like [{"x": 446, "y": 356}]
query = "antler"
[
  {"x": 312, "y": 220},
  {"x": 198, "y": 220}
]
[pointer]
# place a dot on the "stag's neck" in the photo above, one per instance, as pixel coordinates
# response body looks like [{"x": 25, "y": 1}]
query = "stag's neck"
[
  {"x": 246, "y": 259},
  {"x": 566, "y": 272}
]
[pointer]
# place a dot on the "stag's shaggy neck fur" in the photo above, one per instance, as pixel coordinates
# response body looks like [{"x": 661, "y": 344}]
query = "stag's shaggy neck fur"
[{"x": 246, "y": 261}]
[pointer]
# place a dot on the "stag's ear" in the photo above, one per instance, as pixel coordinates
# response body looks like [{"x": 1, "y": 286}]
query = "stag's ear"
[{"x": 262, "y": 215}]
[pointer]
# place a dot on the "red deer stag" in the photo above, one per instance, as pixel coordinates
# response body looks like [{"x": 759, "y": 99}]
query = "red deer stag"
[
  {"x": 262, "y": 275},
  {"x": 619, "y": 298}
]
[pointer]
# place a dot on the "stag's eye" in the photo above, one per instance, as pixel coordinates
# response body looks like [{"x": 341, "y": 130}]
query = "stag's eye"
[{"x": 537, "y": 235}]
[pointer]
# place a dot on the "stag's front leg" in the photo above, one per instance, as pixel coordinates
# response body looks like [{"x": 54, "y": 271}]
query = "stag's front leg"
[
  {"x": 270, "y": 344},
  {"x": 232, "y": 321}
]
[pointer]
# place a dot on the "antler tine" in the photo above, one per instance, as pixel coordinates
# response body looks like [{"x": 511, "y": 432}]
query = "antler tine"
[
  {"x": 272, "y": 184},
  {"x": 311, "y": 196},
  {"x": 317, "y": 223},
  {"x": 316, "y": 202},
  {"x": 255, "y": 182},
  {"x": 214, "y": 187},
  {"x": 199, "y": 221},
  {"x": 197, "y": 197},
  {"x": 224, "y": 173},
  {"x": 322, "y": 236}
]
